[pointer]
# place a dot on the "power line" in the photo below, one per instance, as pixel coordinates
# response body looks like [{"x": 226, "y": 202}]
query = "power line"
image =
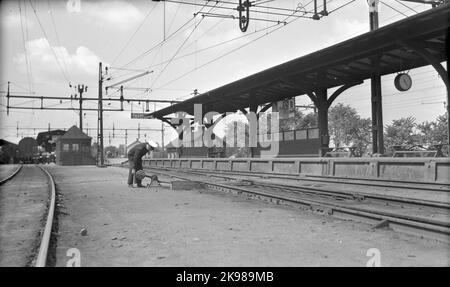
[
  {"x": 403, "y": 4},
  {"x": 51, "y": 47},
  {"x": 57, "y": 36},
  {"x": 25, "y": 49},
  {"x": 178, "y": 50},
  {"x": 215, "y": 45},
  {"x": 398, "y": 11},
  {"x": 134, "y": 34},
  {"x": 227, "y": 53},
  {"x": 159, "y": 44}
]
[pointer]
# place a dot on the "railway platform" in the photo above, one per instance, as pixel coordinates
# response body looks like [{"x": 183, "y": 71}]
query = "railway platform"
[{"x": 164, "y": 227}]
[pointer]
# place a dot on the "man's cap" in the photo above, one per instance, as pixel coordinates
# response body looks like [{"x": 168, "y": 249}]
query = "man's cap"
[{"x": 150, "y": 144}]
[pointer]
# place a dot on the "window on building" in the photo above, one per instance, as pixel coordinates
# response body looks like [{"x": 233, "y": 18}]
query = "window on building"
[
  {"x": 75, "y": 147},
  {"x": 65, "y": 147}
]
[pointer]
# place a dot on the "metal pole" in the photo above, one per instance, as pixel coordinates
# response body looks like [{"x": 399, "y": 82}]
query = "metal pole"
[
  {"x": 7, "y": 99},
  {"x": 80, "y": 91},
  {"x": 139, "y": 131},
  {"x": 162, "y": 135},
  {"x": 100, "y": 114},
  {"x": 376, "y": 98},
  {"x": 126, "y": 141}
]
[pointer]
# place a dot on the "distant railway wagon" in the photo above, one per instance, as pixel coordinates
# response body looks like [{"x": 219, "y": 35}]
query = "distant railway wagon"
[{"x": 28, "y": 150}]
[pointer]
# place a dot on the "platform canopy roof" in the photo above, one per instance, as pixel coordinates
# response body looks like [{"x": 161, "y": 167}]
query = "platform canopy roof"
[{"x": 344, "y": 63}]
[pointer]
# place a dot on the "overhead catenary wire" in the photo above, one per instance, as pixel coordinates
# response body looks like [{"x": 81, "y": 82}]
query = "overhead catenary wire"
[
  {"x": 229, "y": 52},
  {"x": 396, "y": 10},
  {"x": 57, "y": 37},
  {"x": 158, "y": 44},
  {"x": 234, "y": 9},
  {"x": 178, "y": 50},
  {"x": 403, "y": 4},
  {"x": 134, "y": 34},
  {"x": 25, "y": 50},
  {"x": 182, "y": 27},
  {"x": 215, "y": 45},
  {"x": 51, "y": 47},
  {"x": 27, "y": 37}
]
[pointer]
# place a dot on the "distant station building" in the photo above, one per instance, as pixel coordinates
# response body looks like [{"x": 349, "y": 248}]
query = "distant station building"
[
  {"x": 132, "y": 145},
  {"x": 74, "y": 148}
]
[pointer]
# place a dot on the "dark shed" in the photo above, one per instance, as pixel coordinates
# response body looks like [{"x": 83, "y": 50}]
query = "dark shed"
[{"x": 74, "y": 148}]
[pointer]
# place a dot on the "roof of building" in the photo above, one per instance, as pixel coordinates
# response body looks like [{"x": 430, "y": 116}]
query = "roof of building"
[
  {"x": 131, "y": 145},
  {"x": 344, "y": 63},
  {"x": 5, "y": 142},
  {"x": 74, "y": 133}
]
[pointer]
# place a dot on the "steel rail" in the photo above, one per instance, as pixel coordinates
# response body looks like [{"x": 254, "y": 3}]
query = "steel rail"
[
  {"x": 437, "y": 229},
  {"x": 4, "y": 180},
  {"x": 333, "y": 179},
  {"x": 355, "y": 195},
  {"x": 41, "y": 259}
]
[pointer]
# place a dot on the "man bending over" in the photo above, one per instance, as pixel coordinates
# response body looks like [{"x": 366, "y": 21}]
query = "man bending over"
[{"x": 135, "y": 161}]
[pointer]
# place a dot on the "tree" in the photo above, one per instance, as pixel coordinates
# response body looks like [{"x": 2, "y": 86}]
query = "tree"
[
  {"x": 401, "y": 132},
  {"x": 347, "y": 128},
  {"x": 299, "y": 121},
  {"x": 362, "y": 136},
  {"x": 233, "y": 134},
  {"x": 434, "y": 132}
]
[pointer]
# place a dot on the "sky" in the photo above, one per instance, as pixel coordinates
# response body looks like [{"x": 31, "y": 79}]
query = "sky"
[{"x": 47, "y": 45}]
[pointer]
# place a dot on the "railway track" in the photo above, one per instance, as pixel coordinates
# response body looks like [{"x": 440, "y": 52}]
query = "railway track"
[
  {"x": 376, "y": 182},
  {"x": 419, "y": 217},
  {"x": 11, "y": 175},
  {"x": 41, "y": 259},
  {"x": 26, "y": 185}
]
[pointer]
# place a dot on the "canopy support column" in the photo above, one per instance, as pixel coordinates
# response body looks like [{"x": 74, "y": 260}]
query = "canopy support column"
[
  {"x": 377, "y": 109},
  {"x": 421, "y": 51},
  {"x": 319, "y": 98}
]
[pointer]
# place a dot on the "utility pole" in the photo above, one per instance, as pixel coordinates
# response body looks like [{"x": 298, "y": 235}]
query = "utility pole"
[
  {"x": 162, "y": 135},
  {"x": 377, "y": 106},
  {"x": 126, "y": 141},
  {"x": 100, "y": 117},
  {"x": 7, "y": 99},
  {"x": 139, "y": 131},
  {"x": 81, "y": 89}
]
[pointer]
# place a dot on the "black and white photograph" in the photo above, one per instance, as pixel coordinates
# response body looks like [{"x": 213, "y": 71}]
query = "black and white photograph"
[{"x": 243, "y": 135}]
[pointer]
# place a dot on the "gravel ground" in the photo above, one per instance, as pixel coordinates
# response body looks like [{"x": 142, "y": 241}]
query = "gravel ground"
[{"x": 160, "y": 227}]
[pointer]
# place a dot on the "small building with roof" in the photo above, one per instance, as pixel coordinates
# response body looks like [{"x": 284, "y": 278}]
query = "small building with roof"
[{"x": 74, "y": 148}]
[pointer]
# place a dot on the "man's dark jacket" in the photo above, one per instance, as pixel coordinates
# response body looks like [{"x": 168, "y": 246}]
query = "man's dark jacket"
[{"x": 135, "y": 155}]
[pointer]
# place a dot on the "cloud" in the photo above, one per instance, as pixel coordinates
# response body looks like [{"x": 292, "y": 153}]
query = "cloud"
[
  {"x": 13, "y": 21},
  {"x": 80, "y": 65},
  {"x": 119, "y": 13},
  {"x": 347, "y": 28}
]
